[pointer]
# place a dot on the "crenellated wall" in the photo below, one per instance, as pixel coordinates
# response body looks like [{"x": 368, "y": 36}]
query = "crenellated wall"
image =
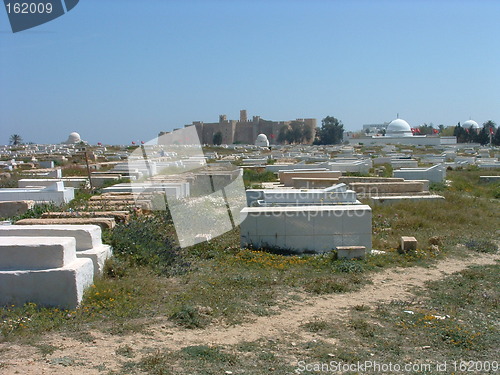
[{"x": 244, "y": 131}]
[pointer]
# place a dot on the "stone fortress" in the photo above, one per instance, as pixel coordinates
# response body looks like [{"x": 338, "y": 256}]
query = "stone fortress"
[{"x": 244, "y": 131}]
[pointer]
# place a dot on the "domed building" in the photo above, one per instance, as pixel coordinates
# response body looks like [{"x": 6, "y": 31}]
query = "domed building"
[
  {"x": 73, "y": 138},
  {"x": 398, "y": 128},
  {"x": 262, "y": 141},
  {"x": 398, "y": 131},
  {"x": 471, "y": 124}
]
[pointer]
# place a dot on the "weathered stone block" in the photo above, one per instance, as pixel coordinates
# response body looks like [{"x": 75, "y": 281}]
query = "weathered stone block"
[
  {"x": 407, "y": 244},
  {"x": 351, "y": 252}
]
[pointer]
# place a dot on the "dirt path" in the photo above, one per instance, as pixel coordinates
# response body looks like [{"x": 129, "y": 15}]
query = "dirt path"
[{"x": 392, "y": 284}]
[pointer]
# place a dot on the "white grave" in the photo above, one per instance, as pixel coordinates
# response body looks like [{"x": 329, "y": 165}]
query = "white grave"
[
  {"x": 315, "y": 229},
  {"x": 55, "y": 193},
  {"x": 436, "y": 173},
  {"x": 43, "y": 270},
  {"x": 88, "y": 239}
]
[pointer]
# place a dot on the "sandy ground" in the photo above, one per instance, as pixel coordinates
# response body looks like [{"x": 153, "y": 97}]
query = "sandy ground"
[{"x": 392, "y": 284}]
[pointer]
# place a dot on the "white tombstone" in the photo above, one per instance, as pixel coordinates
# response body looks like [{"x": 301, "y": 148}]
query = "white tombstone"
[
  {"x": 43, "y": 270},
  {"x": 88, "y": 239}
]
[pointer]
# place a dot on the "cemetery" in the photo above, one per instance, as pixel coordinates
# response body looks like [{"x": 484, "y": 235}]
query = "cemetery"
[{"x": 312, "y": 220}]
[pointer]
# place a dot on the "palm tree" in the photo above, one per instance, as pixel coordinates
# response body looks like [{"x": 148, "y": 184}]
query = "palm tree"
[{"x": 16, "y": 139}]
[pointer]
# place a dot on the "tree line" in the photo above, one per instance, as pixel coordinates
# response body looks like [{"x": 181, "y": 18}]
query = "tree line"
[{"x": 467, "y": 135}]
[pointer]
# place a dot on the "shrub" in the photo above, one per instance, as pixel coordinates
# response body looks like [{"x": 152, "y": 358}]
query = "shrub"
[
  {"x": 437, "y": 186},
  {"x": 482, "y": 246},
  {"x": 349, "y": 266},
  {"x": 207, "y": 353},
  {"x": 149, "y": 241},
  {"x": 327, "y": 285},
  {"x": 37, "y": 211},
  {"x": 190, "y": 317},
  {"x": 250, "y": 177},
  {"x": 114, "y": 268},
  {"x": 496, "y": 193}
]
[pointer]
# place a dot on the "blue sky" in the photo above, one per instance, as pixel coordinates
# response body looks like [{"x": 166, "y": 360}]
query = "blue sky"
[{"x": 123, "y": 70}]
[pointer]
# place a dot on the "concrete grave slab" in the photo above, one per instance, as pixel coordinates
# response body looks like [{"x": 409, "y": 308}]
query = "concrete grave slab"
[{"x": 35, "y": 253}]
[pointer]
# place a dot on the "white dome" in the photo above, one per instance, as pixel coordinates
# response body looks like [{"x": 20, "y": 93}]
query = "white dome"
[
  {"x": 399, "y": 127},
  {"x": 73, "y": 138},
  {"x": 470, "y": 124},
  {"x": 262, "y": 141}
]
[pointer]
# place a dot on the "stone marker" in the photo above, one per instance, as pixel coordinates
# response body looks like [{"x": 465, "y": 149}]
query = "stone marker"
[
  {"x": 351, "y": 252},
  {"x": 407, "y": 244},
  {"x": 43, "y": 270}
]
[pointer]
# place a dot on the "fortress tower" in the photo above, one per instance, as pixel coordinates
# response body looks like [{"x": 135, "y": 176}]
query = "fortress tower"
[{"x": 244, "y": 131}]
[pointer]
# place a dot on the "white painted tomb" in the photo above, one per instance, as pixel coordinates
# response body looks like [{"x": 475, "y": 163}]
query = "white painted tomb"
[
  {"x": 43, "y": 270},
  {"x": 314, "y": 229},
  {"x": 55, "y": 193},
  {"x": 73, "y": 182},
  {"x": 436, "y": 173},
  {"x": 88, "y": 239},
  {"x": 337, "y": 194}
]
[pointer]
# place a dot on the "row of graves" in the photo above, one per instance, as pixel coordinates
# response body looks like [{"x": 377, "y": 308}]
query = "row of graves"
[
  {"x": 53, "y": 259},
  {"x": 315, "y": 207}
]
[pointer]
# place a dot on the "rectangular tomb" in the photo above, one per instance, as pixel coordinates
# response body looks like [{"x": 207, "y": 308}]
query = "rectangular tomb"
[
  {"x": 314, "y": 229},
  {"x": 30, "y": 253}
]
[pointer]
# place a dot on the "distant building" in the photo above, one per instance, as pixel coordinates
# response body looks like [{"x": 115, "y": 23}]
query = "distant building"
[
  {"x": 262, "y": 141},
  {"x": 399, "y": 128},
  {"x": 471, "y": 125},
  {"x": 73, "y": 138},
  {"x": 244, "y": 131},
  {"x": 375, "y": 128},
  {"x": 399, "y": 131}
]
